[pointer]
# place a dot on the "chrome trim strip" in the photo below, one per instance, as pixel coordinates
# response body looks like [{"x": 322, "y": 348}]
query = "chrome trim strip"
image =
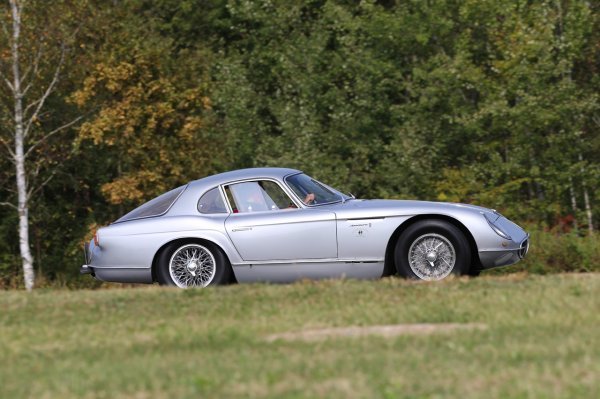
[
  {"x": 365, "y": 218},
  {"x": 119, "y": 267},
  {"x": 294, "y": 261},
  {"x": 276, "y": 224},
  {"x": 500, "y": 250},
  {"x": 241, "y": 229}
]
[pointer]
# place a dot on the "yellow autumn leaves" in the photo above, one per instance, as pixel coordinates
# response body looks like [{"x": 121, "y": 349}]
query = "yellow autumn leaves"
[{"x": 151, "y": 128}]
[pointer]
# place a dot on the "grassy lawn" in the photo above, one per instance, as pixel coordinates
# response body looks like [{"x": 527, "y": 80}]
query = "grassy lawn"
[{"x": 542, "y": 339}]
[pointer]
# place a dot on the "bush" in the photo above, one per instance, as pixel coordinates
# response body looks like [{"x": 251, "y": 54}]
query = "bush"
[{"x": 552, "y": 252}]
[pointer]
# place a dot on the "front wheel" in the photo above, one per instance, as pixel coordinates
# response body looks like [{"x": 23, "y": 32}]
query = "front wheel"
[
  {"x": 193, "y": 265},
  {"x": 432, "y": 250}
]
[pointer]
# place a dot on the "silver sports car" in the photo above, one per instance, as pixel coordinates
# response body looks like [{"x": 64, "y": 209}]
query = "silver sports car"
[{"x": 280, "y": 225}]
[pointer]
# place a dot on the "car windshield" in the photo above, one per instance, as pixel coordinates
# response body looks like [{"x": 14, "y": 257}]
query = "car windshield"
[{"x": 312, "y": 192}]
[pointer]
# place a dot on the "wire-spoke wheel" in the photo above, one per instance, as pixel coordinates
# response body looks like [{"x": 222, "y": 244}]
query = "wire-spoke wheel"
[
  {"x": 431, "y": 257},
  {"x": 193, "y": 264},
  {"x": 432, "y": 250}
]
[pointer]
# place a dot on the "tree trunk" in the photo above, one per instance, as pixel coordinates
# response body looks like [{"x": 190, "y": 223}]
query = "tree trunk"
[
  {"x": 573, "y": 203},
  {"x": 23, "y": 200},
  {"x": 588, "y": 210},
  {"x": 586, "y": 198}
]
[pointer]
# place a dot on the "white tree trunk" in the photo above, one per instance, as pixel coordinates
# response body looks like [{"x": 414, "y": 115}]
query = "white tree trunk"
[
  {"x": 23, "y": 209},
  {"x": 19, "y": 157},
  {"x": 26, "y": 115},
  {"x": 573, "y": 203},
  {"x": 586, "y": 199},
  {"x": 588, "y": 210}
]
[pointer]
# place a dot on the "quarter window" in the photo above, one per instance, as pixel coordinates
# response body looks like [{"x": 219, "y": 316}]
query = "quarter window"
[{"x": 212, "y": 202}]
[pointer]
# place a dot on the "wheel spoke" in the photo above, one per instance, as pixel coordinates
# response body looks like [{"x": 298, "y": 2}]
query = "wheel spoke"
[
  {"x": 431, "y": 257},
  {"x": 192, "y": 265}
]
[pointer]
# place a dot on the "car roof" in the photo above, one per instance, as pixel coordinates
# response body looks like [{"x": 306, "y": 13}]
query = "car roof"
[{"x": 240, "y": 174}]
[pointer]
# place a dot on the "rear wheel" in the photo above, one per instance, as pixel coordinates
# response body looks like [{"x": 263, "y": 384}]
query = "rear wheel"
[
  {"x": 432, "y": 250},
  {"x": 193, "y": 264}
]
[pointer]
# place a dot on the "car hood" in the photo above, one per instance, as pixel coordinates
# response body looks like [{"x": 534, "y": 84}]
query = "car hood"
[{"x": 383, "y": 208}]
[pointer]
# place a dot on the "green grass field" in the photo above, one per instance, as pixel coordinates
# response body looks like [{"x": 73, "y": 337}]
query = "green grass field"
[{"x": 542, "y": 339}]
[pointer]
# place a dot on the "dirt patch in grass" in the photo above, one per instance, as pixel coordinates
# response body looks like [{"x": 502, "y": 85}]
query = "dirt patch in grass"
[{"x": 384, "y": 331}]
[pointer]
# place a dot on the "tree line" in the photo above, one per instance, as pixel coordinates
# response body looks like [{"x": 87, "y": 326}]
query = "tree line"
[{"x": 108, "y": 104}]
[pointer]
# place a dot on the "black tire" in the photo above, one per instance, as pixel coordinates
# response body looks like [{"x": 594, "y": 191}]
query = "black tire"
[
  {"x": 474, "y": 272},
  {"x": 222, "y": 268},
  {"x": 434, "y": 229}
]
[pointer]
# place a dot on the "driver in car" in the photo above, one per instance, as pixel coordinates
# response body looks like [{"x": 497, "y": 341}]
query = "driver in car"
[{"x": 310, "y": 198}]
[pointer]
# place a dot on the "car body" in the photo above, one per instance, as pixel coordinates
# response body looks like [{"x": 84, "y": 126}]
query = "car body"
[{"x": 256, "y": 225}]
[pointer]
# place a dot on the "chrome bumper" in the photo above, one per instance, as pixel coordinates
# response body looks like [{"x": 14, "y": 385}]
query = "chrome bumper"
[
  {"x": 524, "y": 247},
  {"x": 86, "y": 269},
  {"x": 87, "y": 255},
  {"x": 87, "y": 259}
]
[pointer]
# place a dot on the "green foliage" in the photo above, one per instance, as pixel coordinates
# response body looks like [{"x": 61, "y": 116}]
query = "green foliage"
[
  {"x": 492, "y": 102},
  {"x": 551, "y": 252}
]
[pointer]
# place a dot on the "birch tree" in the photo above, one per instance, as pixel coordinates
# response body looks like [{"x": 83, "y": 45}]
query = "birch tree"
[{"x": 30, "y": 68}]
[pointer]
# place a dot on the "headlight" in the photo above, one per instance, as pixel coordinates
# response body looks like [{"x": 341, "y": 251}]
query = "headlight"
[{"x": 496, "y": 228}]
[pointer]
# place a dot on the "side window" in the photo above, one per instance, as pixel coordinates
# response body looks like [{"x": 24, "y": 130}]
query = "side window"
[
  {"x": 212, "y": 202},
  {"x": 276, "y": 195},
  {"x": 257, "y": 196}
]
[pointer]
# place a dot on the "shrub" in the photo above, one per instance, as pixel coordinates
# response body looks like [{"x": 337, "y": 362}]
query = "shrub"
[{"x": 552, "y": 252}]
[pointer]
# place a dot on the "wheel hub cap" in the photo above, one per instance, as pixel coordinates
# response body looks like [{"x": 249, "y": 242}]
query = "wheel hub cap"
[
  {"x": 192, "y": 266},
  {"x": 431, "y": 257}
]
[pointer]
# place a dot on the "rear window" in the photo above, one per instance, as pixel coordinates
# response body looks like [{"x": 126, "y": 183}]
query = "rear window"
[{"x": 155, "y": 207}]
